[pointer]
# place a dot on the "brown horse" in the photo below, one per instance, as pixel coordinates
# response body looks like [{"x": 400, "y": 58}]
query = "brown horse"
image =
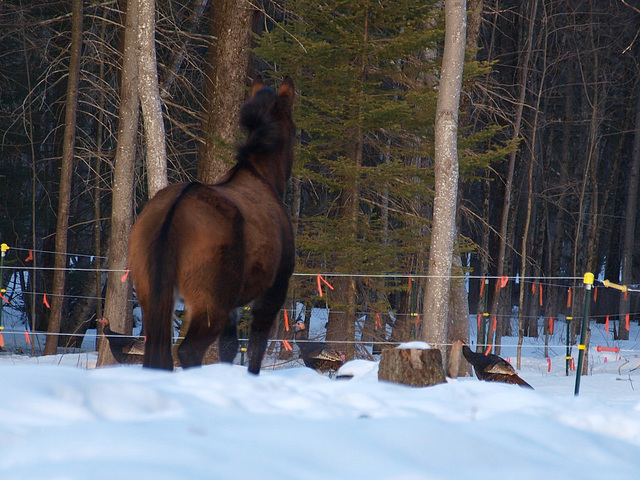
[{"x": 221, "y": 246}]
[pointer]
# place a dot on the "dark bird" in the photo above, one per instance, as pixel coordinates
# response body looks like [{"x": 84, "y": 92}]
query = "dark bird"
[
  {"x": 492, "y": 368},
  {"x": 124, "y": 348},
  {"x": 319, "y": 356}
]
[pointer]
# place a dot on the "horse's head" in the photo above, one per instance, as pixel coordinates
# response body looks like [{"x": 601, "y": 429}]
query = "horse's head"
[{"x": 267, "y": 118}]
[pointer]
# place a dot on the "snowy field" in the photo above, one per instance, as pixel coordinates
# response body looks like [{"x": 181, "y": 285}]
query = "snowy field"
[{"x": 60, "y": 418}]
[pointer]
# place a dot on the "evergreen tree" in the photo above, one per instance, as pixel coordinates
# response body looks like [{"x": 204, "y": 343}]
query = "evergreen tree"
[
  {"x": 365, "y": 113},
  {"x": 367, "y": 78}
]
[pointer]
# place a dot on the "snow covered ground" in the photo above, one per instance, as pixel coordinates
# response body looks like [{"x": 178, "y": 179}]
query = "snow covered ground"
[{"x": 61, "y": 419}]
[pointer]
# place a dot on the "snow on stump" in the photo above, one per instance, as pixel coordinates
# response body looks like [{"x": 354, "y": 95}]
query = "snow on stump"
[{"x": 413, "y": 363}]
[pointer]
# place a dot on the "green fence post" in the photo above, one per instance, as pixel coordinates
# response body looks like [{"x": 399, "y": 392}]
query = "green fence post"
[
  {"x": 588, "y": 283},
  {"x": 3, "y": 251}
]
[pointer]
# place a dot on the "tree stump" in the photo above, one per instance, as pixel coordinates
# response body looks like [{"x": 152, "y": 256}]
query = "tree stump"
[{"x": 410, "y": 366}]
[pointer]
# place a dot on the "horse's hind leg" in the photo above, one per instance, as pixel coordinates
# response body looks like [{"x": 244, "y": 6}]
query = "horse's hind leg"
[
  {"x": 204, "y": 328},
  {"x": 228, "y": 342},
  {"x": 265, "y": 310}
]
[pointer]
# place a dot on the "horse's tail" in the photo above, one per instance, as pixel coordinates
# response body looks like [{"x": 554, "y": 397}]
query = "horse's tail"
[{"x": 162, "y": 271}]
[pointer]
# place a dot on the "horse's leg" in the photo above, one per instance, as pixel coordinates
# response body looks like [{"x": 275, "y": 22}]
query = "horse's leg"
[
  {"x": 228, "y": 342},
  {"x": 265, "y": 309},
  {"x": 204, "y": 328}
]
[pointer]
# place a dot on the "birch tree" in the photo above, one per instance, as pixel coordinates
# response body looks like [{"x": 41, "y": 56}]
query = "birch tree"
[
  {"x": 156, "y": 155},
  {"x": 436, "y": 298}
]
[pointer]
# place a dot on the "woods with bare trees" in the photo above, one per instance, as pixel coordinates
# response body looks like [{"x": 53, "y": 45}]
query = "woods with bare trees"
[{"x": 547, "y": 152}]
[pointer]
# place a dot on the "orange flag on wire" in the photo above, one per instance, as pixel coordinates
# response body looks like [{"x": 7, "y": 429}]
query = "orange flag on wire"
[
  {"x": 320, "y": 280},
  {"x": 540, "y": 289}
]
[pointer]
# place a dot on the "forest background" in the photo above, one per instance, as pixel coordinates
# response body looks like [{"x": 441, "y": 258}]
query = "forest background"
[{"x": 549, "y": 149}]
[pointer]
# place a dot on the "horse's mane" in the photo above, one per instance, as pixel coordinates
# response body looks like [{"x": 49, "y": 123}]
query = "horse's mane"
[{"x": 263, "y": 134}]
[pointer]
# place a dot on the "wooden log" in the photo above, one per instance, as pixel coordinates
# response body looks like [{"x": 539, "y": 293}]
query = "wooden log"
[{"x": 409, "y": 366}]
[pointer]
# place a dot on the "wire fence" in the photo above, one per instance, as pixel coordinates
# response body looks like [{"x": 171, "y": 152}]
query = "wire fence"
[{"x": 23, "y": 259}]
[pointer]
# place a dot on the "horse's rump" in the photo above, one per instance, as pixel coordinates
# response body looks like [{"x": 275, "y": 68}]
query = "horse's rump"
[
  {"x": 178, "y": 231},
  {"x": 152, "y": 252}
]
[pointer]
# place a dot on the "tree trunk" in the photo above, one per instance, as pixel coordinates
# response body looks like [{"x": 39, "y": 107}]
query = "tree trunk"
[
  {"x": 341, "y": 325},
  {"x": 502, "y": 249},
  {"x": 175, "y": 65},
  {"x": 474, "y": 21},
  {"x": 584, "y": 255},
  {"x": 342, "y": 317},
  {"x": 555, "y": 302},
  {"x": 405, "y": 325},
  {"x": 630, "y": 220},
  {"x": 458, "y": 322},
  {"x": 97, "y": 191},
  {"x": 483, "y": 300},
  {"x": 150, "y": 102},
  {"x": 446, "y": 178},
  {"x": 231, "y": 22},
  {"x": 66, "y": 173},
  {"x": 522, "y": 311},
  {"x": 117, "y": 307}
]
